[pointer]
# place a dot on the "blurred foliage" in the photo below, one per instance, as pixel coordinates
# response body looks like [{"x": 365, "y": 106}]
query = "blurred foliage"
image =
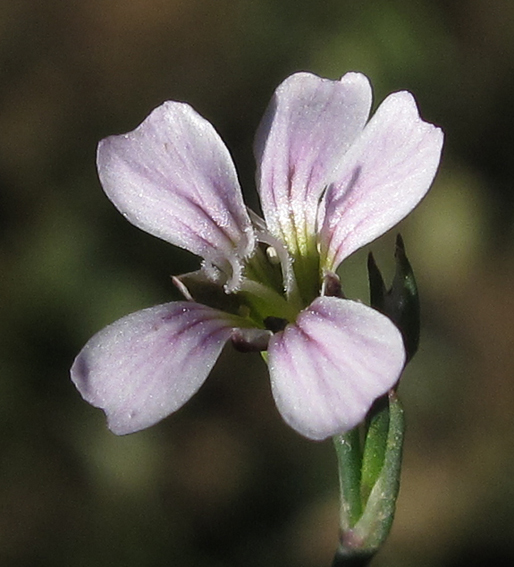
[{"x": 224, "y": 482}]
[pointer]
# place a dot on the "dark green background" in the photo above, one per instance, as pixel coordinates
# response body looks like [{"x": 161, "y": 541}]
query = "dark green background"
[{"x": 224, "y": 482}]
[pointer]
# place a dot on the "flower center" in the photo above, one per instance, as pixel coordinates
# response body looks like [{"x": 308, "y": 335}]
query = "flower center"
[
  {"x": 273, "y": 288},
  {"x": 272, "y": 285}
]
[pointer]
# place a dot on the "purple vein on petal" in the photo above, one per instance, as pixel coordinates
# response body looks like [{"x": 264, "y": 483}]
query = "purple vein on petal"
[
  {"x": 148, "y": 364},
  {"x": 328, "y": 367},
  {"x": 396, "y": 158},
  {"x": 309, "y": 124},
  {"x": 174, "y": 178}
]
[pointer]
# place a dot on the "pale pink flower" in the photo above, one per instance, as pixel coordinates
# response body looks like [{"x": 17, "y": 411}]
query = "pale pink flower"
[{"x": 330, "y": 182}]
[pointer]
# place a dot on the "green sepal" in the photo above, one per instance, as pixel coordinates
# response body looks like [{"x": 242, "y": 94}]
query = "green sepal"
[
  {"x": 349, "y": 458},
  {"x": 375, "y": 446},
  {"x": 369, "y": 460},
  {"x": 377, "y": 288},
  {"x": 376, "y": 520},
  {"x": 401, "y": 302}
]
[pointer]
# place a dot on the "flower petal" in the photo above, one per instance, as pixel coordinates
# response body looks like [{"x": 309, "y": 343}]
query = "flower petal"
[
  {"x": 382, "y": 178},
  {"x": 328, "y": 368},
  {"x": 308, "y": 126},
  {"x": 148, "y": 364},
  {"x": 174, "y": 178}
]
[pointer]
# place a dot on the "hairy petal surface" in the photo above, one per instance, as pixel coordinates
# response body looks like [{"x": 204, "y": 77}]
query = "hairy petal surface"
[
  {"x": 328, "y": 367},
  {"x": 381, "y": 179},
  {"x": 174, "y": 178},
  {"x": 308, "y": 126},
  {"x": 148, "y": 364}
]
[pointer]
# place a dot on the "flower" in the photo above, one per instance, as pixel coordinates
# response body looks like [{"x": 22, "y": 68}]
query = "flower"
[{"x": 330, "y": 182}]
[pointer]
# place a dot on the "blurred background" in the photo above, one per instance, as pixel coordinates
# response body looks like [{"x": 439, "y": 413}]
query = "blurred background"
[{"x": 224, "y": 482}]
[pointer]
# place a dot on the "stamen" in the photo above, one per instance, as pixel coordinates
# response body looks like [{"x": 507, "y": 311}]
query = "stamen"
[
  {"x": 272, "y": 255},
  {"x": 290, "y": 285}
]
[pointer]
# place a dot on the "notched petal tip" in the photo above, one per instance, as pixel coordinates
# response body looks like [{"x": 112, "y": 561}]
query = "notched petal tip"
[
  {"x": 383, "y": 177},
  {"x": 148, "y": 364},
  {"x": 307, "y": 128},
  {"x": 358, "y": 79}
]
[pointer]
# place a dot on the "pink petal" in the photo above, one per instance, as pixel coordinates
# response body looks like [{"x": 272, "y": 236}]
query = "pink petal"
[
  {"x": 148, "y": 364},
  {"x": 328, "y": 368},
  {"x": 308, "y": 126},
  {"x": 382, "y": 178},
  {"x": 174, "y": 178}
]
